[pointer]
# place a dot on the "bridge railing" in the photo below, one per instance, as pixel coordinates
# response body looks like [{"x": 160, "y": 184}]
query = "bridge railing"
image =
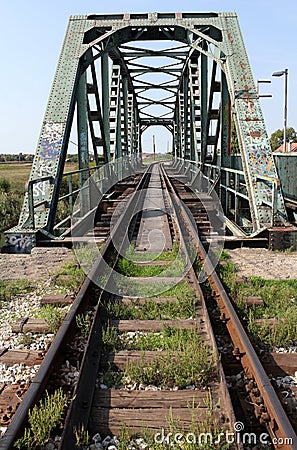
[
  {"x": 232, "y": 181},
  {"x": 104, "y": 176}
]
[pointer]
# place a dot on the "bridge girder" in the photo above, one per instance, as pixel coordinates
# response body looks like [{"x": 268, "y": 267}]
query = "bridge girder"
[{"x": 117, "y": 105}]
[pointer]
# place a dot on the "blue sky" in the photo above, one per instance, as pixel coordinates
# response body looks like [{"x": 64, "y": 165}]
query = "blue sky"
[{"x": 32, "y": 32}]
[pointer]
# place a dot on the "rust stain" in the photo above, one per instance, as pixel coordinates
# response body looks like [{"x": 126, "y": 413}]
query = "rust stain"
[
  {"x": 253, "y": 159},
  {"x": 255, "y": 134},
  {"x": 230, "y": 37},
  {"x": 270, "y": 164}
]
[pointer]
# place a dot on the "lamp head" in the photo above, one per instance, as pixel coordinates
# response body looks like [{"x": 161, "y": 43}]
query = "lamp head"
[{"x": 278, "y": 74}]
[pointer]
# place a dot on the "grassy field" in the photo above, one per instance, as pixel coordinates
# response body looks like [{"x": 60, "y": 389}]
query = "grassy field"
[
  {"x": 13, "y": 179},
  {"x": 159, "y": 157},
  {"x": 18, "y": 173}
]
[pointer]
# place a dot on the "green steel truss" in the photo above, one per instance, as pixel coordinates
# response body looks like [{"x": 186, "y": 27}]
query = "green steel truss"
[{"x": 120, "y": 74}]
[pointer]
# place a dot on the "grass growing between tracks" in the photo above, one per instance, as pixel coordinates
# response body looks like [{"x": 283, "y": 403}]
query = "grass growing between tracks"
[
  {"x": 170, "y": 255},
  {"x": 280, "y": 302},
  {"x": 192, "y": 367},
  {"x": 168, "y": 339},
  {"x": 132, "y": 269},
  {"x": 182, "y": 307},
  {"x": 185, "y": 360},
  {"x": 150, "y": 310},
  {"x": 155, "y": 289},
  {"x": 43, "y": 419}
]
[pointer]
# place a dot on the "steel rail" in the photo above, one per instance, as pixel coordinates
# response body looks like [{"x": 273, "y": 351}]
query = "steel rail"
[{"x": 271, "y": 411}]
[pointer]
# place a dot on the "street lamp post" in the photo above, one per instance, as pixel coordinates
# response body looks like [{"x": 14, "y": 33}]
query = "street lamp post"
[{"x": 280, "y": 74}]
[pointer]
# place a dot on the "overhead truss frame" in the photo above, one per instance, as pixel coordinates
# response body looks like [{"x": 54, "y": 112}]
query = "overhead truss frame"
[{"x": 119, "y": 107}]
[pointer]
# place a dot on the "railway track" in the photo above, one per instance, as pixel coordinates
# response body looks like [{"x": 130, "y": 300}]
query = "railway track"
[{"x": 148, "y": 363}]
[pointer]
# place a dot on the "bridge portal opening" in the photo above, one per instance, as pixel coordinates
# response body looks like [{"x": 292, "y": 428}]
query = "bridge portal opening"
[{"x": 158, "y": 140}]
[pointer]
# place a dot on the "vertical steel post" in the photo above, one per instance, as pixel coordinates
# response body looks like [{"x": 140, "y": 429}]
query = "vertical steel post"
[
  {"x": 82, "y": 134},
  {"x": 285, "y": 109},
  {"x": 186, "y": 113},
  {"x": 130, "y": 124},
  {"x": 225, "y": 118},
  {"x": 181, "y": 115},
  {"x": 135, "y": 132},
  {"x": 175, "y": 150},
  {"x": 126, "y": 114},
  {"x": 105, "y": 102},
  {"x": 118, "y": 149},
  {"x": 204, "y": 105},
  {"x": 177, "y": 128},
  {"x": 70, "y": 190}
]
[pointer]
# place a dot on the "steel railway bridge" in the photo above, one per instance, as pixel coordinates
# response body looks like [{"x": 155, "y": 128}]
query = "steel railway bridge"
[{"x": 119, "y": 74}]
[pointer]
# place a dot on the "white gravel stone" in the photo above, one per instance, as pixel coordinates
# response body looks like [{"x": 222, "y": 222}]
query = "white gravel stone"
[
  {"x": 21, "y": 306},
  {"x": 50, "y": 446},
  {"x": 97, "y": 438},
  {"x": 264, "y": 263},
  {"x": 106, "y": 441}
]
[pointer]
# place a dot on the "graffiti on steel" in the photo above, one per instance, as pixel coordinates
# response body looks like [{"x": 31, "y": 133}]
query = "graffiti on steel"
[
  {"x": 51, "y": 141},
  {"x": 20, "y": 243}
]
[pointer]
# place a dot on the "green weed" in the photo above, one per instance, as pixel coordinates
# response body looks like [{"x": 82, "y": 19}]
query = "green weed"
[
  {"x": 43, "y": 419},
  {"x": 69, "y": 277},
  {"x": 130, "y": 269},
  {"x": 83, "y": 323},
  {"x": 169, "y": 338},
  {"x": 151, "y": 310},
  {"x": 9, "y": 289},
  {"x": 111, "y": 339},
  {"x": 133, "y": 255},
  {"x": 280, "y": 301},
  {"x": 201, "y": 433},
  {"x": 53, "y": 317},
  {"x": 82, "y": 436},
  {"x": 193, "y": 366}
]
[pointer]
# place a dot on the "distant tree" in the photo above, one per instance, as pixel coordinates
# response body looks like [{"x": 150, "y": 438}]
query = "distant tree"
[
  {"x": 277, "y": 138},
  {"x": 5, "y": 185},
  {"x": 234, "y": 139},
  {"x": 10, "y": 205}
]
